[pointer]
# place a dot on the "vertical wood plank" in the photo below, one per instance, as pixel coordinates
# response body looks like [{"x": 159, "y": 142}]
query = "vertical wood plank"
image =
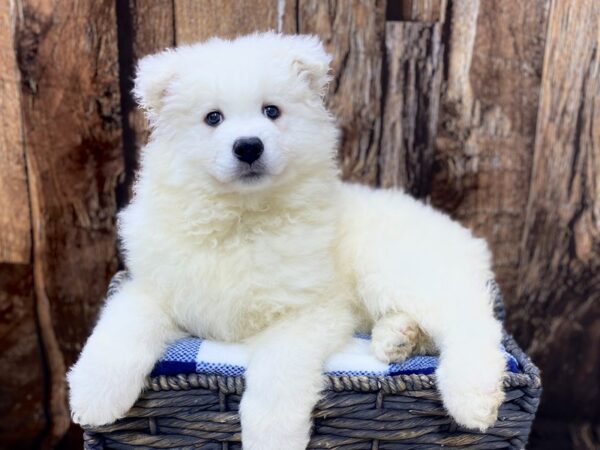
[
  {"x": 144, "y": 27},
  {"x": 152, "y": 31},
  {"x": 22, "y": 377},
  {"x": 414, "y": 63},
  {"x": 559, "y": 279},
  {"x": 487, "y": 122},
  {"x": 198, "y": 20},
  {"x": 416, "y": 10},
  {"x": 15, "y": 224},
  {"x": 22, "y": 392},
  {"x": 353, "y": 32},
  {"x": 72, "y": 132}
]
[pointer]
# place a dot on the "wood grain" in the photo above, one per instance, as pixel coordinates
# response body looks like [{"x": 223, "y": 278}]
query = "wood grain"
[
  {"x": 416, "y": 10},
  {"x": 22, "y": 396},
  {"x": 559, "y": 276},
  {"x": 67, "y": 53},
  {"x": 198, "y": 20},
  {"x": 414, "y": 63},
  {"x": 353, "y": 32},
  {"x": 15, "y": 223},
  {"x": 487, "y": 122},
  {"x": 144, "y": 28}
]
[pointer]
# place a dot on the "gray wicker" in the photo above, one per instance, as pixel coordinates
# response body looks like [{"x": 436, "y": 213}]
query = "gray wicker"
[{"x": 356, "y": 413}]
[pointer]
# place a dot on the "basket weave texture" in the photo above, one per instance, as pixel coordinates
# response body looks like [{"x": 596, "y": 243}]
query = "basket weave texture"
[{"x": 200, "y": 411}]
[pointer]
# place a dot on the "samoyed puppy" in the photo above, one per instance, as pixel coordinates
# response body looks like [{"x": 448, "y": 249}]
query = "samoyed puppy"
[{"x": 240, "y": 230}]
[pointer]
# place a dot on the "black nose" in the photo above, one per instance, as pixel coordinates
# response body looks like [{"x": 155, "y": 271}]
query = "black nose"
[{"x": 248, "y": 149}]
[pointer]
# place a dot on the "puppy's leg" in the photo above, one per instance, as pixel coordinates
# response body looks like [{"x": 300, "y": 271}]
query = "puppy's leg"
[
  {"x": 472, "y": 364},
  {"x": 130, "y": 336},
  {"x": 462, "y": 327},
  {"x": 396, "y": 336},
  {"x": 471, "y": 369},
  {"x": 420, "y": 262},
  {"x": 284, "y": 378}
]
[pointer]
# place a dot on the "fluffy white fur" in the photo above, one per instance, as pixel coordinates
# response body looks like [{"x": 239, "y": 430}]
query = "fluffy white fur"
[{"x": 291, "y": 262}]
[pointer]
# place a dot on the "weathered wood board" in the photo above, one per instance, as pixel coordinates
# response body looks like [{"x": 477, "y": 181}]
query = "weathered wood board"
[
  {"x": 144, "y": 27},
  {"x": 22, "y": 393},
  {"x": 198, "y": 20},
  {"x": 557, "y": 309},
  {"x": 414, "y": 70},
  {"x": 15, "y": 223},
  {"x": 22, "y": 379},
  {"x": 67, "y": 54},
  {"x": 353, "y": 32},
  {"x": 488, "y": 111},
  {"x": 416, "y": 10}
]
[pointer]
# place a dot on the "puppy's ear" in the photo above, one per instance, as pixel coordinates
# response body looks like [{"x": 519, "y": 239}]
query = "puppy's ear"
[
  {"x": 311, "y": 62},
  {"x": 153, "y": 75}
]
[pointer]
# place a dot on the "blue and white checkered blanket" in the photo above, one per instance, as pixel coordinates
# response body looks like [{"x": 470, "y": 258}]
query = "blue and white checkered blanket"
[{"x": 195, "y": 355}]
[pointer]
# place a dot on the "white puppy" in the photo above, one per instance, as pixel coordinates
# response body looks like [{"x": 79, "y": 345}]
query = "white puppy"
[{"x": 241, "y": 230}]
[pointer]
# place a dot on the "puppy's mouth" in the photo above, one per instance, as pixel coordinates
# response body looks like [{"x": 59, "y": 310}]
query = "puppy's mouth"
[{"x": 251, "y": 173}]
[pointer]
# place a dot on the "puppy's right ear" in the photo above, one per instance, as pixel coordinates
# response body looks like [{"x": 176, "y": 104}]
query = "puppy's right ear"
[{"x": 153, "y": 75}]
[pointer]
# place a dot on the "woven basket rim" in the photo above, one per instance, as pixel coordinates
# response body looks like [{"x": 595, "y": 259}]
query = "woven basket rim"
[{"x": 389, "y": 384}]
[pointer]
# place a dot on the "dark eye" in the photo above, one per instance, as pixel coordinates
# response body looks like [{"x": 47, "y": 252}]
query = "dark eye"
[
  {"x": 271, "y": 111},
  {"x": 214, "y": 118}
]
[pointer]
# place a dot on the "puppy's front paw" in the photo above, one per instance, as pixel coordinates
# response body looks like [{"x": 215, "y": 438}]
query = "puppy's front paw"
[
  {"x": 271, "y": 424},
  {"x": 394, "y": 338},
  {"x": 255, "y": 441},
  {"x": 97, "y": 399},
  {"x": 473, "y": 395},
  {"x": 474, "y": 408}
]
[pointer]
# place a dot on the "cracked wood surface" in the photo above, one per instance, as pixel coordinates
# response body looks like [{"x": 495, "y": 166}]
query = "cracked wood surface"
[
  {"x": 414, "y": 57},
  {"x": 558, "y": 298},
  {"x": 22, "y": 390},
  {"x": 486, "y": 131},
  {"x": 22, "y": 395},
  {"x": 67, "y": 54},
  {"x": 15, "y": 224},
  {"x": 353, "y": 32},
  {"x": 198, "y": 20},
  {"x": 144, "y": 27},
  {"x": 416, "y": 10}
]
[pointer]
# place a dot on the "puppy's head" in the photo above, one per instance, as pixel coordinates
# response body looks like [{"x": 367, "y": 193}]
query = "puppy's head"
[{"x": 238, "y": 116}]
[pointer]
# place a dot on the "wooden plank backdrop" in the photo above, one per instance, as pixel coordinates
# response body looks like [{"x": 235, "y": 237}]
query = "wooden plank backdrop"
[{"x": 485, "y": 109}]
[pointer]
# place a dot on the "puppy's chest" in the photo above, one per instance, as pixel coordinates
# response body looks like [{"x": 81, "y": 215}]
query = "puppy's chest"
[{"x": 243, "y": 284}]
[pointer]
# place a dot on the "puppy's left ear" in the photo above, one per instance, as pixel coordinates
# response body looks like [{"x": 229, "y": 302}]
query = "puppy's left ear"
[{"x": 311, "y": 62}]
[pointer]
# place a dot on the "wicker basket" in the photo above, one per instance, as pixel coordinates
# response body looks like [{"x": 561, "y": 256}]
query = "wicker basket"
[{"x": 357, "y": 412}]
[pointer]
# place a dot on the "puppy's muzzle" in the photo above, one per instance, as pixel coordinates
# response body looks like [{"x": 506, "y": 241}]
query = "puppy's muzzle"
[{"x": 248, "y": 149}]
